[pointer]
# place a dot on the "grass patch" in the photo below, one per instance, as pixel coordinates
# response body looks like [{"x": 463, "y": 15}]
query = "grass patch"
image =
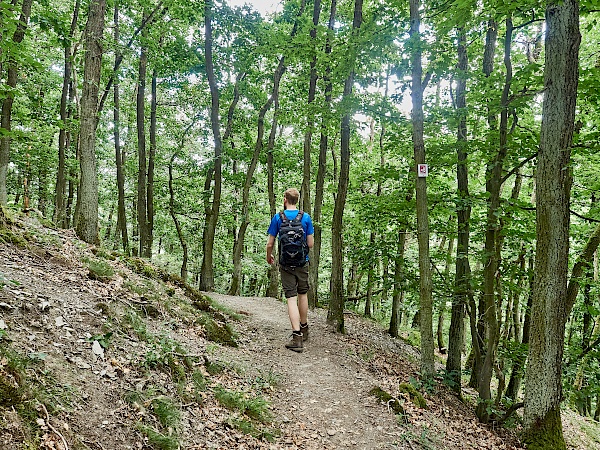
[
  {"x": 158, "y": 440},
  {"x": 255, "y": 407},
  {"x": 166, "y": 412},
  {"x": 253, "y": 429},
  {"x": 99, "y": 270}
]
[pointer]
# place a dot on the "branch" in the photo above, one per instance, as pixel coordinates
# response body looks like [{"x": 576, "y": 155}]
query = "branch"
[
  {"x": 516, "y": 168},
  {"x": 119, "y": 58},
  {"x": 529, "y": 22},
  {"x": 589, "y": 219},
  {"x": 426, "y": 80},
  {"x": 584, "y": 259},
  {"x": 509, "y": 412}
]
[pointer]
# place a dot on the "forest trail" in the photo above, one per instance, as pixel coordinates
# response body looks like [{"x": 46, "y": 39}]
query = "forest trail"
[
  {"x": 54, "y": 313},
  {"x": 324, "y": 400}
]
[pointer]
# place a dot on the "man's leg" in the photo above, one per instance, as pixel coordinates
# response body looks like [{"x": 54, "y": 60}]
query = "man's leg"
[
  {"x": 303, "y": 307},
  {"x": 294, "y": 312}
]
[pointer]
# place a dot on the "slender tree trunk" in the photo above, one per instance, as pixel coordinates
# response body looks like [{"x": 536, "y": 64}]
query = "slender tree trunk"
[
  {"x": 335, "y": 315},
  {"x": 151, "y": 158},
  {"x": 516, "y": 374},
  {"x": 7, "y": 103},
  {"x": 119, "y": 154},
  {"x": 61, "y": 179},
  {"x": 87, "y": 216},
  {"x": 273, "y": 286},
  {"x": 462, "y": 281},
  {"x": 238, "y": 246},
  {"x": 492, "y": 241},
  {"x": 398, "y": 296},
  {"x": 180, "y": 236},
  {"x": 207, "y": 277},
  {"x": 142, "y": 200},
  {"x": 315, "y": 258},
  {"x": 478, "y": 331},
  {"x": 425, "y": 281},
  {"x": 442, "y": 309},
  {"x": 543, "y": 392},
  {"x": 312, "y": 88}
]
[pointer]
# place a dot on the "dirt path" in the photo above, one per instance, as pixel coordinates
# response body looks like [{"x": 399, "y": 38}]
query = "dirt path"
[{"x": 323, "y": 400}]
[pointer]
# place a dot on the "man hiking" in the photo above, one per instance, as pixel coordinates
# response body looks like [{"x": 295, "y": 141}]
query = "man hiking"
[{"x": 295, "y": 232}]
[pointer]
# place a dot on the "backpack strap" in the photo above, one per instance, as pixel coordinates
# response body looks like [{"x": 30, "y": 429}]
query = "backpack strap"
[{"x": 283, "y": 217}]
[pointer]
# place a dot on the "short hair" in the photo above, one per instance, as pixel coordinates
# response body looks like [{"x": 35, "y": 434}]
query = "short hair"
[{"x": 292, "y": 195}]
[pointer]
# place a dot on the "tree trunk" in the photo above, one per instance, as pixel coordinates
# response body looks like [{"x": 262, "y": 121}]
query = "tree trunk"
[
  {"x": 142, "y": 200},
  {"x": 238, "y": 245},
  {"x": 7, "y": 103},
  {"x": 182, "y": 241},
  {"x": 87, "y": 207},
  {"x": 541, "y": 421},
  {"x": 442, "y": 308},
  {"x": 61, "y": 179},
  {"x": 492, "y": 241},
  {"x": 398, "y": 296},
  {"x": 462, "y": 280},
  {"x": 425, "y": 281},
  {"x": 315, "y": 258},
  {"x": 335, "y": 315},
  {"x": 312, "y": 88},
  {"x": 516, "y": 374},
  {"x": 273, "y": 286},
  {"x": 150, "y": 179},
  {"x": 207, "y": 277},
  {"x": 119, "y": 154}
]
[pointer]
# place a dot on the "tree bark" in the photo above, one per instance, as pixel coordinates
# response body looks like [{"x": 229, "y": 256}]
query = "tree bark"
[
  {"x": 335, "y": 315},
  {"x": 425, "y": 281},
  {"x": 119, "y": 154},
  {"x": 87, "y": 207},
  {"x": 398, "y": 295},
  {"x": 462, "y": 281},
  {"x": 207, "y": 276},
  {"x": 61, "y": 179},
  {"x": 151, "y": 158},
  {"x": 541, "y": 421},
  {"x": 315, "y": 258},
  {"x": 142, "y": 207},
  {"x": 492, "y": 240},
  {"x": 7, "y": 103}
]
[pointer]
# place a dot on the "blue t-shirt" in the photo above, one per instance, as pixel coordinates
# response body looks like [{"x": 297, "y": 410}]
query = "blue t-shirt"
[{"x": 291, "y": 214}]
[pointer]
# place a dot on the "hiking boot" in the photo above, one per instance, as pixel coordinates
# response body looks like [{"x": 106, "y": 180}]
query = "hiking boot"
[
  {"x": 295, "y": 343},
  {"x": 304, "y": 331}
]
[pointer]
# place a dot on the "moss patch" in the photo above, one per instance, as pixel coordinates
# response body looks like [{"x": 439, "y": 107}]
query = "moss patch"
[
  {"x": 546, "y": 433},
  {"x": 386, "y": 398},
  {"x": 415, "y": 396}
]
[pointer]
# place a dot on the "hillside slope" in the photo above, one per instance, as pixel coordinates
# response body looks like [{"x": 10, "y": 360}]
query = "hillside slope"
[{"x": 98, "y": 351}]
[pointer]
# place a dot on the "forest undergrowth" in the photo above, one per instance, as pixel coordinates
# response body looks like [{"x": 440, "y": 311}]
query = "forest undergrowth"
[{"x": 100, "y": 351}]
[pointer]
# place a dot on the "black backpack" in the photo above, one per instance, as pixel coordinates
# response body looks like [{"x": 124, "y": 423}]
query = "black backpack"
[{"x": 292, "y": 242}]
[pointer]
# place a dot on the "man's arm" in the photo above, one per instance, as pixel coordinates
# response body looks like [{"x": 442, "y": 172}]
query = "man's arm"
[
  {"x": 310, "y": 240},
  {"x": 270, "y": 245}
]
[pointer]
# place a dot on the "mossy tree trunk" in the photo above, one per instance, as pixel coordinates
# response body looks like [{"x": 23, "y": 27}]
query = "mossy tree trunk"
[
  {"x": 551, "y": 308},
  {"x": 87, "y": 204}
]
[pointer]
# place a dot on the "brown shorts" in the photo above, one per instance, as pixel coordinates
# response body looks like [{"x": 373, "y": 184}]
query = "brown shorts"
[{"x": 294, "y": 280}]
